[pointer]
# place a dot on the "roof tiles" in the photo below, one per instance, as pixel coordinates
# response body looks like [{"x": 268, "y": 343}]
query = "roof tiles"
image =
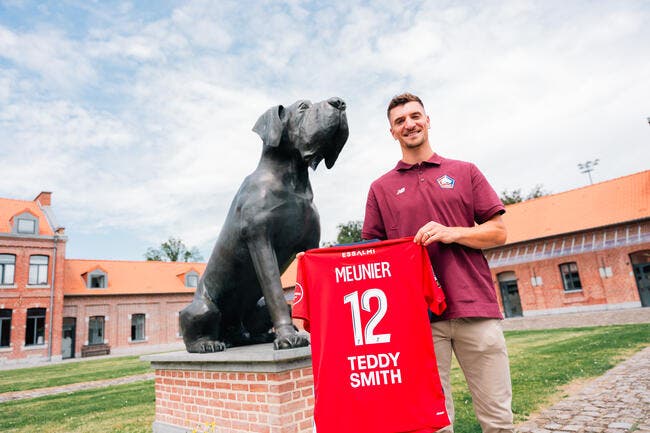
[
  {"x": 130, "y": 277},
  {"x": 10, "y": 208},
  {"x": 602, "y": 204}
]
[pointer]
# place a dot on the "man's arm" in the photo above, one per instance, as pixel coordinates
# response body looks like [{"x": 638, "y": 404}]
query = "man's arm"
[{"x": 491, "y": 233}]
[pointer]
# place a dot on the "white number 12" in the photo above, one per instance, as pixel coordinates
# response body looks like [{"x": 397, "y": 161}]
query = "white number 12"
[{"x": 370, "y": 337}]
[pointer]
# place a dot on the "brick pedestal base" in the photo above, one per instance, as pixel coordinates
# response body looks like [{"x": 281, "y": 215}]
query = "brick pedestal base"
[{"x": 244, "y": 389}]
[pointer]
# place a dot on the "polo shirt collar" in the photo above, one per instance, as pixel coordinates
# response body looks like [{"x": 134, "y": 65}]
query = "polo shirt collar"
[{"x": 434, "y": 160}]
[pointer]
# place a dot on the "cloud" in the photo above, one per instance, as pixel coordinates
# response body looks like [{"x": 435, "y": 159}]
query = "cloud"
[
  {"x": 47, "y": 53},
  {"x": 139, "y": 117}
]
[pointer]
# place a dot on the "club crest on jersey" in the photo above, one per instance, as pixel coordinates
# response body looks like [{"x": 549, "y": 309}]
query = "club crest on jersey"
[
  {"x": 297, "y": 294},
  {"x": 446, "y": 182}
]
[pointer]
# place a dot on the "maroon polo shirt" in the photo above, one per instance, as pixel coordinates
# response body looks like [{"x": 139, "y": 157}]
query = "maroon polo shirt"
[{"x": 452, "y": 193}]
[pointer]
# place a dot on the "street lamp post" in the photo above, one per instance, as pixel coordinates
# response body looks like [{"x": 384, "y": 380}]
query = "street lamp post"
[{"x": 588, "y": 167}]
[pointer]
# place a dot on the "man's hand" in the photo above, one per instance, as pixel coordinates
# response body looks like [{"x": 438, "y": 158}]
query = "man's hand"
[
  {"x": 489, "y": 234},
  {"x": 435, "y": 232}
]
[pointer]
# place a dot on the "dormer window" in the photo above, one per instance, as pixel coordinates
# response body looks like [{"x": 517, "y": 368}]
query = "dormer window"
[
  {"x": 97, "y": 279},
  {"x": 25, "y": 224},
  {"x": 192, "y": 279}
]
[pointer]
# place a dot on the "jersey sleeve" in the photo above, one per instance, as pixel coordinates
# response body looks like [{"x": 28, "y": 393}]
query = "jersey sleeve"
[
  {"x": 373, "y": 223},
  {"x": 433, "y": 293},
  {"x": 486, "y": 201},
  {"x": 300, "y": 305}
]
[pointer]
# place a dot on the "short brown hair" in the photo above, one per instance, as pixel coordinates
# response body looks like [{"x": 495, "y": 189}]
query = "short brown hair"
[{"x": 401, "y": 100}]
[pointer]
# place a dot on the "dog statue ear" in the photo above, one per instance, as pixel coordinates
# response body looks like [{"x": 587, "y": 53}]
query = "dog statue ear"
[{"x": 270, "y": 126}]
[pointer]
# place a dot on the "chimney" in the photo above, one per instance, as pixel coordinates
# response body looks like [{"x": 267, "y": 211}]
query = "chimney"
[{"x": 44, "y": 198}]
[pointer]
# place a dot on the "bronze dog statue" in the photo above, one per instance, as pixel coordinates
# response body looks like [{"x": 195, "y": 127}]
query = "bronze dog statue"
[{"x": 271, "y": 218}]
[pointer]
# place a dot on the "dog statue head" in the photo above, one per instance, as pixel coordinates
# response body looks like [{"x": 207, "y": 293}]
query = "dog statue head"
[{"x": 317, "y": 131}]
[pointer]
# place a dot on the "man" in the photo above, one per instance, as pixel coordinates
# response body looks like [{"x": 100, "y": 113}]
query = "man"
[{"x": 449, "y": 207}]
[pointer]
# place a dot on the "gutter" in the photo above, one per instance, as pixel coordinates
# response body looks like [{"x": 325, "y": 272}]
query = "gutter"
[{"x": 51, "y": 331}]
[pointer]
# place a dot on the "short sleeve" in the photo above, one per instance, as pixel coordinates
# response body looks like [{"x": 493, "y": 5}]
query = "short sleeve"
[{"x": 486, "y": 201}]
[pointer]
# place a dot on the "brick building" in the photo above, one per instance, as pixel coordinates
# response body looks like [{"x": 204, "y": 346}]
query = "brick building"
[
  {"x": 581, "y": 250},
  {"x": 53, "y": 308},
  {"x": 124, "y": 306},
  {"x": 32, "y": 255}
]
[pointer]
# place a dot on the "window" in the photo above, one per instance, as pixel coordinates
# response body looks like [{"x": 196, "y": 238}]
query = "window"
[
  {"x": 137, "y": 327},
  {"x": 35, "y": 332},
  {"x": 7, "y": 268},
  {"x": 38, "y": 269},
  {"x": 570, "y": 276},
  {"x": 26, "y": 226},
  {"x": 97, "y": 280},
  {"x": 192, "y": 280},
  {"x": 5, "y": 327},
  {"x": 96, "y": 330}
]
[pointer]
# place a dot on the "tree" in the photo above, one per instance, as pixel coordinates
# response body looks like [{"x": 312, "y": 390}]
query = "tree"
[
  {"x": 514, "y": 196},
  {"x": 173, "y": 250},
  {"x": 511, "y": 197},
  {"x": 349, "y": 232}
]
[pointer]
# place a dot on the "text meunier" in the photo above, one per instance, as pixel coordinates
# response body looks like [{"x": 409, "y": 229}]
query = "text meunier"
[
  {"x": 365, "y": 271},
  {"x": 374, "y": 370}
]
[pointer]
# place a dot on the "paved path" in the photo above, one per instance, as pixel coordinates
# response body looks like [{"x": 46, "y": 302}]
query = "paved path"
[
  {"x": 18, "y": 395},
  {"x": 570, "y": 320},
  {"x": 617, "y": 402}
]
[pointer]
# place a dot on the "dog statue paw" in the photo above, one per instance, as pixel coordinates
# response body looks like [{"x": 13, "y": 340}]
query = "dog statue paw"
[
  {"x": 287, "y": 337},
  {"x": 206, "y": 346}
]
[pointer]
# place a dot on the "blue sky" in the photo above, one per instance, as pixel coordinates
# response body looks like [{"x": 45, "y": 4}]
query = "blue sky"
[{"x": 138, "y": 115}]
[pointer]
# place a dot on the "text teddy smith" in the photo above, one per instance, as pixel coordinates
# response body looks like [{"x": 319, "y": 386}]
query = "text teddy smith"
[{"x": 372, "y": 369}]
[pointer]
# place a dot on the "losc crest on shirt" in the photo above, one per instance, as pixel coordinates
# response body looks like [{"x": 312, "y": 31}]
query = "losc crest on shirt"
[{"x": 372, "y": 352}]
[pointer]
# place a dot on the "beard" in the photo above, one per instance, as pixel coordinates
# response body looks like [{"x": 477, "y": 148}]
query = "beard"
[{"x": 416, "y": 142}]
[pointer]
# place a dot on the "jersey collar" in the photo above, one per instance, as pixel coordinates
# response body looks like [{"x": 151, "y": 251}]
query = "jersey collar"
[{"x": 434, "y": 160}]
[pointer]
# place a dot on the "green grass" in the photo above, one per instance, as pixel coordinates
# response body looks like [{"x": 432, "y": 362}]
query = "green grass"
[
  {"x": 542, "y": 362},
  {"x": 71, "y": 372},
  {"x": 123, "y": 408}
]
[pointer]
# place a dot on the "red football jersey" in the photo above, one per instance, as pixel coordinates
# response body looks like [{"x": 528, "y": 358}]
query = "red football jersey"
[{"x": 374, "y": 366}]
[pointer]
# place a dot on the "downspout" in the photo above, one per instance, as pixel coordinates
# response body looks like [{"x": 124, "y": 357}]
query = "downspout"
[{"x": 51, "y": 331}]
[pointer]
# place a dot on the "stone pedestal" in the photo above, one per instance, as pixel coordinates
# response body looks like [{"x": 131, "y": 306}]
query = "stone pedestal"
[{"x": 243, "y": 389}]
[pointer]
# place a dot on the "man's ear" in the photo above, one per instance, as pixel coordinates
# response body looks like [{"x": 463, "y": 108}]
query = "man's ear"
[{"x": 270, "y": 126}]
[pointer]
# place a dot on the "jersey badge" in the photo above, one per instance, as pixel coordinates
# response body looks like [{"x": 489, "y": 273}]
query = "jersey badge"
[
  {"x": 401, "y": 190},
  {"x": 297, "y": 294},
  {"x": 446, "y": 182}
]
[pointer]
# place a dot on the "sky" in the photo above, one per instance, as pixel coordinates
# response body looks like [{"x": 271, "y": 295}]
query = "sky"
[{"x": 137, "y": 116}]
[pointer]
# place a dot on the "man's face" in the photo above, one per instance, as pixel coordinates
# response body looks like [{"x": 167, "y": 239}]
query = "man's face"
[{"x": 409, "y": 125}]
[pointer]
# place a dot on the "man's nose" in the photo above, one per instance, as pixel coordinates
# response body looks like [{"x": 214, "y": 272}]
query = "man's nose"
[{"x": 409, "y": 123}]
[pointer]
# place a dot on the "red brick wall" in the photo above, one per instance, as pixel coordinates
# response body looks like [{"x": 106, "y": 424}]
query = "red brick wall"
[
  {"x": 161, "y": 318},
  {"x": 206, "y": 401},
  {"x": 19, "y": 297},
  {"x": 616, "y": 291}
]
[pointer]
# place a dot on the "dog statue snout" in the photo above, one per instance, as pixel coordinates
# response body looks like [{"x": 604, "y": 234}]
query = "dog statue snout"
[{"x": 337, "y": 103}]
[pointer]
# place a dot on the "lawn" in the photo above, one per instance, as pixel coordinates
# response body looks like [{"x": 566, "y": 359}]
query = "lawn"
[
  {"x": 542, "y": 363},
  {"x": 71, "y": 372},
  {"x": 119, "y": 409}
]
